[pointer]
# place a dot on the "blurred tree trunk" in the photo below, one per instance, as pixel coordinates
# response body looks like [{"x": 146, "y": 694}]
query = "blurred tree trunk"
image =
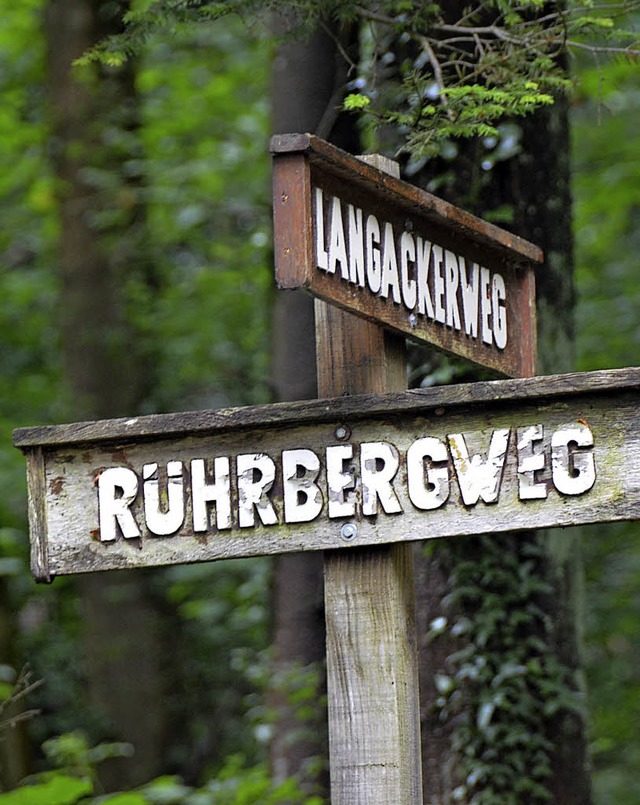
[
  {"x": 93, "y": 122},
  {"x": 540, "y": 182},
  {"x": 534, "y": 185},
  {"x": 307, "y": 80}
]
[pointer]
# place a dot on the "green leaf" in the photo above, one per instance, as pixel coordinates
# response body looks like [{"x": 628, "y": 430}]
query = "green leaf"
[
  {"x": 6, "y": 689},
  {"x": 125, "y": 799},
  {"x": 593, "y": 22},
  {"x": 60, "y": 790},
  {"x": 356, "y": 101}
]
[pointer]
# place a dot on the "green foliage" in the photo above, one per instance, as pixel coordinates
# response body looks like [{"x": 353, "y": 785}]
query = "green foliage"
[
  {"x": 221, "y": 610},
  {"x": 613, "y": 660},
  {"x": 28, "y": 361},
  {"x": 205, "y": 186},
  {"x": 71, "y": 782},
  {"x": 607, "y": 188},
  {"x": 505, "y": 686},
  {"x": 607, "y": 226},
  {"x": 236, "y": 786},
  {"x": 460, "y": 78},
  {"x": 354, "y": 101},
  {"x": 73, "y": 754},
  {"x": 457, "y": 77},
  {"x": 59, "y": 790},
  {"x": 203, "y": 178},
  {"x": 465, "y": 112},
  {"x": 207, "y": 201}
]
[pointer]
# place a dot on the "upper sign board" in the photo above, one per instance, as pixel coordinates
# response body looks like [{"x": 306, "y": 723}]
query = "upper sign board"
[
  {"x": 492, "y": 456},
  {"x": 385, "y": 250}
]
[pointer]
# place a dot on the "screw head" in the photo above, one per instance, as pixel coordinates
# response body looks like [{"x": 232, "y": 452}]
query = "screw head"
[
  {"x": 342, "y": 433},
  {"x": 413, "y": 320},
  {"x": 349, "y": 531}
]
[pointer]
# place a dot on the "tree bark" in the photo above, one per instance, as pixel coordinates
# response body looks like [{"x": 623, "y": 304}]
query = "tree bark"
[
  {"x": 543, "y": 214},
  {"x": 99, "y": 249},
  {"x": 535, "y": 184}
]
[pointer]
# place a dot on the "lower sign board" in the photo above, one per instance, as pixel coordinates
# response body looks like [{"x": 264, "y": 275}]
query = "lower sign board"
[
  {"x": 387, "y": 251},
  {"x": 452, "y": 461}
]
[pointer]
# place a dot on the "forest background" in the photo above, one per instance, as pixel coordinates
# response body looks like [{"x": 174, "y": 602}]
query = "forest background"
[{"x": 193, "y": 196}]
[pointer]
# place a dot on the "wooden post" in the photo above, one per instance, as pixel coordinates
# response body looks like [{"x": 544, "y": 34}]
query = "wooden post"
[{"x": 372, "y": 669}]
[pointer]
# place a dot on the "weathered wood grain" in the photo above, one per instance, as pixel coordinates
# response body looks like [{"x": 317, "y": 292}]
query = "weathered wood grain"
[
  {"x": 37, "y": 504},
  {"x": 394, "y": 190},
  {"x": 355, "y": 407},
  {"x": 63, "y": 483},
  {"x": 372, "y": 668},
  {"x": 292, "y": 199},
  {"x": 373, "y": 689},
  {"x": 324, "y": 176}
]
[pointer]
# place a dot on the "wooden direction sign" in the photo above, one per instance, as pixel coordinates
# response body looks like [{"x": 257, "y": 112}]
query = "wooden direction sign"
[
  {"x": 385, "y": 250},
  {"x": 371, "y": 469}
]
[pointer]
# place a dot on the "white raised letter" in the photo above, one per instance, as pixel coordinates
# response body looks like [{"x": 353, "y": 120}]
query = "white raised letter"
[
  {"x": 573, "y": 471},
  {"x": 166, "y": 522},
  {"x": 407, "y": 283},
  {"x": 485, "y": 305},
  {"x": 452, "y": 280},
  {"x": 256, "y": 474},
  {"x": 322, "y": 259},
  {"x": 529, "y": 462},
  {"x": 378, "y": 466},
  {"x": 423, "y": 248},
  {"x": 372, "y": 243},
  {"x": 469, "y": 286},
  {"x": 477, "y": 477},
  {"x": 116, "y": 510},
  {"x": 203, "y": 493},
  {"x": 302, "y": 496},
  {"x": 337, "y": 243},
  {"x": 356, "y": 246},
  {"x": 428, "y": 473},
  {"x": 339, "y": 481},
  {"x": 390, "y": 277},
  {"x": 499, "y": 311},
  {"x": 438, "y": 283}
]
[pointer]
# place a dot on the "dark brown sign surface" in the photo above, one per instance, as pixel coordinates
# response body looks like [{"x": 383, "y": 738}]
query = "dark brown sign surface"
[
  {"x": 371, "y": 469},
  {"x": 385, "y": 250}
]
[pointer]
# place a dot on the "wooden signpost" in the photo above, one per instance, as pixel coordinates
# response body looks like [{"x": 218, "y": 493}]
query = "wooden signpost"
[
  {"x": 329, "y": 474},
  {"x": 387, "y": 251},
  {"x": 360, "y": 476}
]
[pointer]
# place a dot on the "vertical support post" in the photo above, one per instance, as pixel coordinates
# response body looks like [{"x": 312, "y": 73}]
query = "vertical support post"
[{"x": 372, "y": 667}]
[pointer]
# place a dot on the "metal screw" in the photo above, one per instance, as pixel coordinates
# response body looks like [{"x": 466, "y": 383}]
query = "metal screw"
[
  {"x": 408, "y": 225},
  {"x": 413, "y": 321},
  {"x": 342, "y": 433},
  {"x": 348, "y": 532}
]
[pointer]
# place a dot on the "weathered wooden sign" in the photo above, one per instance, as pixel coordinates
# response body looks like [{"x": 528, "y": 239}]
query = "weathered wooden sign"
[
  {"x": 392, "y": 253},
  {"x": 363, "y": 470}
]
